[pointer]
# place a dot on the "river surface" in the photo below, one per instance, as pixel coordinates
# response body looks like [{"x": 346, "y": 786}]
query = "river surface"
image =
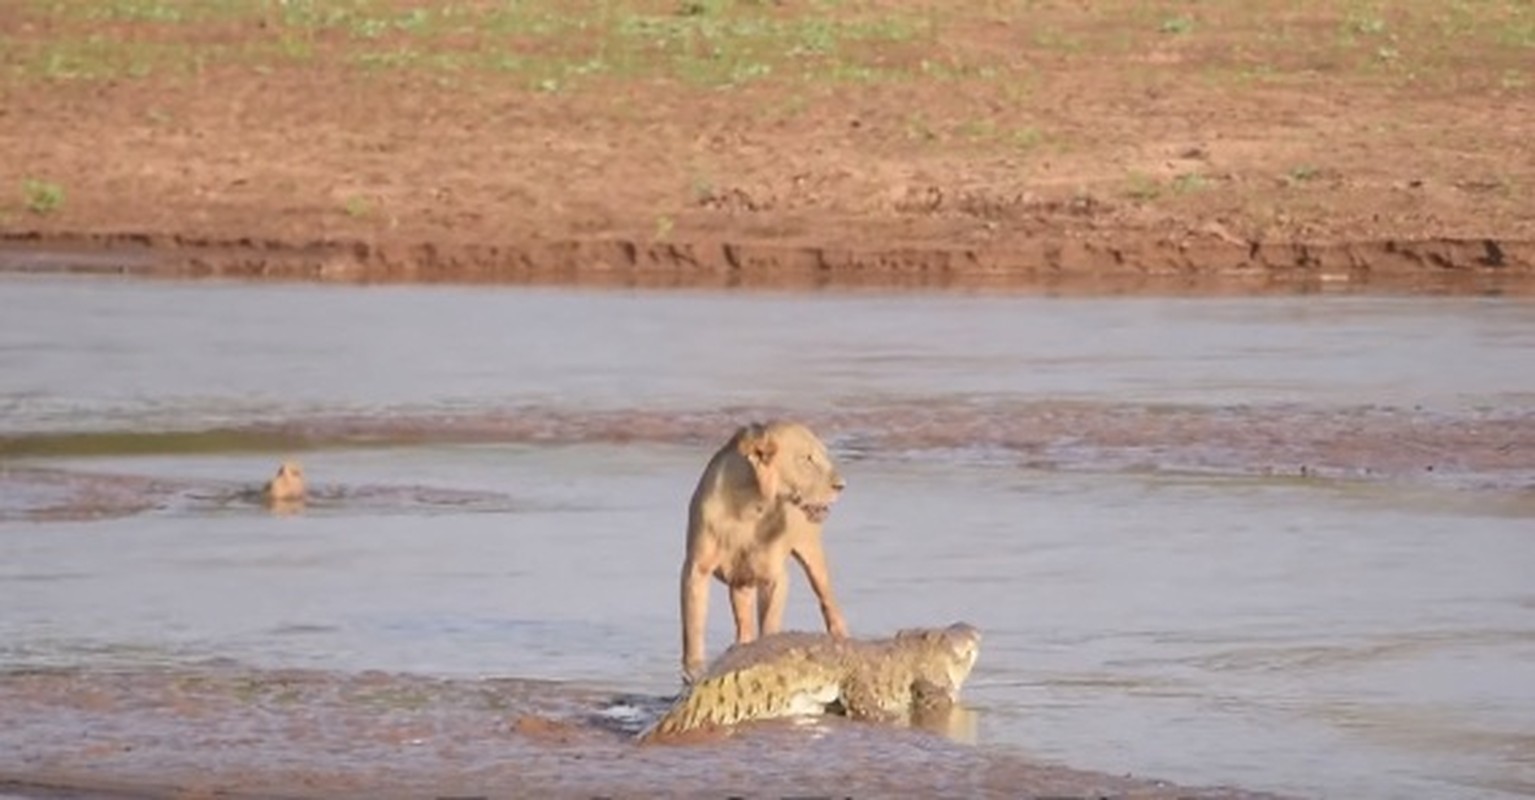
[{"x": 1282, "y": 543}]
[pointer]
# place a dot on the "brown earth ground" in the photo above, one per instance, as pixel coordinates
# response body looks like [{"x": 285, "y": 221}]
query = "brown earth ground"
[{"x": 1097, "y": 146}]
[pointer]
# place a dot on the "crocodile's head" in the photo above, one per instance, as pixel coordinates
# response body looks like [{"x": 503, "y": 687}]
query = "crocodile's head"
[{"x": 949, "y": 652}]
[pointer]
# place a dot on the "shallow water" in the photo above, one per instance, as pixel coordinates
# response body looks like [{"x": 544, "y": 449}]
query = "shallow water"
[
  {"x": 1315, "y": 635},
  {"x": 128, "y": 354}
]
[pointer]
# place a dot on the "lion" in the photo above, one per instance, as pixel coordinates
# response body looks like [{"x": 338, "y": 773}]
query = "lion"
[
  {"x": 286, "y": 488},
  {"x": 762, "y": 498}
]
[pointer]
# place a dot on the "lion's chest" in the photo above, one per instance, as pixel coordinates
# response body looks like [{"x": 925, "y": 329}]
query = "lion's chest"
[
  {"x": 751, "y": 566},
  {"x": 754, "y": 546}
]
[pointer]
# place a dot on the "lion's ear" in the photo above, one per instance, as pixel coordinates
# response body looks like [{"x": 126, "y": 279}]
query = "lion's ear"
[
  {"x": 760, "y": 448},
  {"x": 767, "y": 449},
  {"x": 757, "y": 445}
]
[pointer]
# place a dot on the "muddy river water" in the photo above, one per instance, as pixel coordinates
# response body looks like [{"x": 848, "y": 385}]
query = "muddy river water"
[{"x": 1280, "y": 543}]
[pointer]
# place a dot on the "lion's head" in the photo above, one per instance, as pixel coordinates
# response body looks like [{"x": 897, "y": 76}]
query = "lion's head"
[
  {"x": 792, "y": 464},
  {"x": 287, "y": 485}
]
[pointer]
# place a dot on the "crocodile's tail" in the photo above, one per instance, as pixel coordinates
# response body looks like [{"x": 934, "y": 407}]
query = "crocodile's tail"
[
  {"x": 708, "y": 704},
  {"x": 680, "y": 718},
  {"x": 703, "y": 707},
  {"x": 737, "y": 697}
]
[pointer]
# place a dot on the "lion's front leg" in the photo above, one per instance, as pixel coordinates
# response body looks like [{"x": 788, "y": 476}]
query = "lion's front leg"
[
  {"x": 695, "y": 612},
  {"x": 772, "y": 597},
  {"x": 743, "y": 605},
  {"x": 812, "y": 557}
]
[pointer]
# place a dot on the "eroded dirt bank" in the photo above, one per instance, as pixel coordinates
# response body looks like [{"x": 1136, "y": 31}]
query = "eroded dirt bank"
[
  {"x": 1116, "y": 147},
  {"x": 294, "y": 733},
  {"x": 1119, "y": 262}
]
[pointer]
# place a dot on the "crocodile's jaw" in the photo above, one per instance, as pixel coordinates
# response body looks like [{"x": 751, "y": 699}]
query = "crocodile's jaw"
[
  {"x": 959, "y": 669},
  {"x": 966, "y": 644}
]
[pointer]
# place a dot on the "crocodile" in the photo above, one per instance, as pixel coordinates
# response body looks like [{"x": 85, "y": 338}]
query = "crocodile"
[{"x": 917, "y": 671}]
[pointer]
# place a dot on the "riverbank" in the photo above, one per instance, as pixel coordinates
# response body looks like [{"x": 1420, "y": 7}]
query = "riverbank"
[{"x": 1117, "y": 148}]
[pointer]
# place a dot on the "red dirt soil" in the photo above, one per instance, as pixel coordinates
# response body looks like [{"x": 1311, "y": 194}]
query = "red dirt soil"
[{"x": 1110, "y": 155}]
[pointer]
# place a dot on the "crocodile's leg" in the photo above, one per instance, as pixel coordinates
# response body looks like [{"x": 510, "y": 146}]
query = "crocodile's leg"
[
  {"x": 935, "y": 710},
  {"x": 861, "y": 700},
  {"x": 931, "y": 703}
]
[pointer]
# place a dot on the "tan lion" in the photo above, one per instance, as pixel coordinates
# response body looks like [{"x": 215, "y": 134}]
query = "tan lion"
[
  {"x": 286, "y": 488},
  {"x": 762, "y": 498}
]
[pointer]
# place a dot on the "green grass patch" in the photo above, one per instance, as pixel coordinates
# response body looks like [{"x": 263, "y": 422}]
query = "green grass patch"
[
  {"x": 557, "y": 46},
  {"x": 1188, "y": 182},
  {"x": 1304, "y": 173},
  {"x": 986, "y": 132},
  {"x": 546, "y": 43},
  {"x": 357, "y": 207},
  {"x": 42, "y": 197},
  {"x": 1142, "y": 187},
  {"x": 1178, "y": 24}
]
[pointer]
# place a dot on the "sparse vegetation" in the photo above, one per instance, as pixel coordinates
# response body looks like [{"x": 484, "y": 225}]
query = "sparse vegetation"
[
  {"x": 42, "y": 197},
  {"x": 1142, "y": 187},
  {"x": 701, "y": 188},
  {"x": 1304, "y": 173},
  {"x": 663, "y": 229},
  {"x": 918, "y": 129},
  {"x": 986, "y": 132},
  {"x": 1177, "y": 25},
  {"x": 549, "y": 45},
  {"x": 358, "y": 206},
  {"x": 1190, "y": 182},
  {"x": 1026, "y": 139}
]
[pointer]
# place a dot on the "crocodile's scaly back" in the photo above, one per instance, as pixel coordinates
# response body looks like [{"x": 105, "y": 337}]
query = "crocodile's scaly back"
[
  {"x": 795, "y": 674},
  {"x": 783, "y": 675}
]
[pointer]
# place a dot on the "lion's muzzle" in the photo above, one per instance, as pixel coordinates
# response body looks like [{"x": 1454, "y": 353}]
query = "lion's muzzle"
[{"x": 816, "y": 513}]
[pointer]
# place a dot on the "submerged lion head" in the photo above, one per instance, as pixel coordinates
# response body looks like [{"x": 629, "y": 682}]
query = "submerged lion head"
[{"x": 287, "y": 486}]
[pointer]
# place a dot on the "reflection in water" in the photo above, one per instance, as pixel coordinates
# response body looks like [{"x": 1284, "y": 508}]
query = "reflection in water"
[
  {"x": 285, "y": 507},
  {"x": 1150, "y": 506},
  {"x": 960, "y": 723}
]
